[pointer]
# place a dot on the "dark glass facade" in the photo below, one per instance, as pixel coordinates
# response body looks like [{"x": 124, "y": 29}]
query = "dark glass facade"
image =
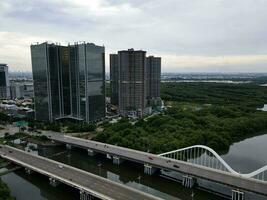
[
  {"x": 74, "y": 81},
  {"x": 2, "y": 79},
  {"x": 54, "y": 82},
  {"x": 153, "y": 73},
  {"x": 40, "y": 60},
  {"x": 114, "y": 78},
  {"x": 73, "y": 76},
  {"x": 4, "y": 82},
  {"x": 65, "y": 81}
]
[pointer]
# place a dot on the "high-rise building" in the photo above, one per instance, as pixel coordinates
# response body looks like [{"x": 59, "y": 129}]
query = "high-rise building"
[
  {"x": 153, "y": 77},
  {"x": 114, "y": 78},
  {"x": 87, "y": 81},
  {"x": 21, "y": 90},
  {"x": 4, "y": 82},
  {"x": 69, "y": 81},
  {"x": 132, "y": 84}
]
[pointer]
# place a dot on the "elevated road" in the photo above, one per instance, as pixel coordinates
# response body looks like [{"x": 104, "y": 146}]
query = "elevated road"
[
  {"x": 156, "y": 161},
  {"x": 84, "y": 181}
]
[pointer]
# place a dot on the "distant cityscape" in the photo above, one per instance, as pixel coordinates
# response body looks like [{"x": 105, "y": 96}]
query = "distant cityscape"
[{"x": 69, "y": 82}]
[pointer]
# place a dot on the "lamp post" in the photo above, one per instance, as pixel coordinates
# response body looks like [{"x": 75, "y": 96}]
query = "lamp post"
[
  {"x": 139, "y": 178},
  {"x": 99, "y": 165},
  {"x": 192, "y": 195}
]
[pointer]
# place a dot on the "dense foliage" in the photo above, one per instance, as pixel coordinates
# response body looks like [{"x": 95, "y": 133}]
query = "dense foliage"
[
  {"x": 69, "y": 127},
  {"x": 245, "y": 96},
  {"x": 212, "y": 114},
  {"x": 80, "y": 127},
  {"x": 4, "y": 118},
  {"x": 4, "y": 192}
]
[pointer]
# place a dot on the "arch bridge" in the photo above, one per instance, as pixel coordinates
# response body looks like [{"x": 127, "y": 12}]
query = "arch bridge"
[{"x": 205, "y": 156}]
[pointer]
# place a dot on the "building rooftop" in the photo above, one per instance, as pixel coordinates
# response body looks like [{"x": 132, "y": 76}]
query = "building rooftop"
[{"x": 132, "y": 50}]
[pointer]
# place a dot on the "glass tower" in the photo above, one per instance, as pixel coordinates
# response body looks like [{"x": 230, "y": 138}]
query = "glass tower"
[
  {"x": 153, "y": 72},
  {"x": 114, "y": 78},
  {"x": 69, "y": 82},
  {"x": 4, "y": 82}
]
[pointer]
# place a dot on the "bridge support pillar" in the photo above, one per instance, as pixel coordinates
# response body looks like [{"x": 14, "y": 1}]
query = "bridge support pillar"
[
  {"x": 53, "y": 182},
  {"x": 28, "y": 171},
  {"x": 237, "y": 195},
  {"x": 117, "y": 160},
  {"x": 91, "y": 152},
  {"x": 109, "y": 156},
  {"x": 85, "y": 196},
  {"x": 148, "y": 169},
  {"x": 188, "y": 181},
  {"x": 68, "y": 146}
]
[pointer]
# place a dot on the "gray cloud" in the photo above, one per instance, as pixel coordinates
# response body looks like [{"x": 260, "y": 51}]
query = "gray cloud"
[{"x": 173, "y": 29}]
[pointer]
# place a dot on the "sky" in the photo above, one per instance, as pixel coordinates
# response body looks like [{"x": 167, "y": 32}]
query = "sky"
[{"x": 190, "y": 35}]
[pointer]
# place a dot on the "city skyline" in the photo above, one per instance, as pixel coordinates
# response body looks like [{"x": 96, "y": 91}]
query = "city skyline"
[{"x": 190, "y": 36}]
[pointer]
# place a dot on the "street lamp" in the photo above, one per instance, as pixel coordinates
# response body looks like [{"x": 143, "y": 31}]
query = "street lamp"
[
  {"x": 99, "y": 165},
  {"x": 192, "y": 195},
  {"x": 139, "y": 178}
]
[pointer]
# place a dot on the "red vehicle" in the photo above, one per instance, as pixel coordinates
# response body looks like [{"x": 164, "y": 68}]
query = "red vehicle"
[{"x": 150, "y": 158}]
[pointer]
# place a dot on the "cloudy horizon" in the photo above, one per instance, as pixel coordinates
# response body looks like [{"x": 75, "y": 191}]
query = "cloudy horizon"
[{"x": 190, "y": 35}]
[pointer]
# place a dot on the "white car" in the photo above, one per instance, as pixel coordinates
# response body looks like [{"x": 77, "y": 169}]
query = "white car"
[{"x": 60, "y": 166}]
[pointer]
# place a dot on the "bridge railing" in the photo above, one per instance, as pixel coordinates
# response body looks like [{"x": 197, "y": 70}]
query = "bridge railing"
[{"x": 204, "y": 156}]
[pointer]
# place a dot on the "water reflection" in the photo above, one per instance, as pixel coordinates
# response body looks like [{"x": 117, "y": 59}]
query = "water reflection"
[
  {"x": 248, "y": 155},
  {"x": 36, "y": 187}
]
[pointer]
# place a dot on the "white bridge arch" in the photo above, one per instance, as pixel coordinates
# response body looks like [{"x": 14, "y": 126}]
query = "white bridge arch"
[{"x": 207, "y": 157}]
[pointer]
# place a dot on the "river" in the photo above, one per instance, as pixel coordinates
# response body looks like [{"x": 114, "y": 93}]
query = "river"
[
  {"x": 244, "y": 156},
  {"x": 248, "y": 155}
]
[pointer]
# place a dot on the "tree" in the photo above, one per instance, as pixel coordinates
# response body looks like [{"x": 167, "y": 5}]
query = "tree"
[{"x": 5, "y": 192}]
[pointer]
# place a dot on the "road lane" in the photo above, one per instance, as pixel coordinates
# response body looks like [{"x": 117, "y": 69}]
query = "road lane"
[
  {"x": 218, "y": 176},
  {"x": 96, "y": 185}
]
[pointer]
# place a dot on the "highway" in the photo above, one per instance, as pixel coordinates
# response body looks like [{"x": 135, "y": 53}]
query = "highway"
[
  {"x": 218, "y": 176},
  {"x": 82, "y": 180}
]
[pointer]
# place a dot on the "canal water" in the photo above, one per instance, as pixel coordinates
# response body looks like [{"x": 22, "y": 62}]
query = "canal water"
[
  {"x": 248, "y": 155},
  {"x": 245, "y": 156}
]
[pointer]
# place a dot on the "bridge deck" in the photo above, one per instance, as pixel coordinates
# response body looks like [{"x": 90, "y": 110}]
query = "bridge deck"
[
  {"x": 98, "y": 186},
  {"x": 165, "y": 163}
]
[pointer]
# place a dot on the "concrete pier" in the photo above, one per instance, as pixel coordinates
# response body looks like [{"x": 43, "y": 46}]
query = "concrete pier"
[
  {"x": 188, "y": 181},
  {"x": 117, "y": 160},
  {"x": 85, "y": 196},
  {"x": 53, "y": 182},
  {"x": 148, "y": 169},
  {"x": 28, "y": 171},
  {"x": 238, "y": 195},
  {"x": 91, "y": 152}
]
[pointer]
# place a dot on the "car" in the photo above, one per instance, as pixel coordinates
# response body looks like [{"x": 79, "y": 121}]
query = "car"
[
  {"x": 10, "y": 151},
  {"x": 60, "y": 166},
  {"x": 176, "y": 166},
  {"x": 150, "y": 158}
]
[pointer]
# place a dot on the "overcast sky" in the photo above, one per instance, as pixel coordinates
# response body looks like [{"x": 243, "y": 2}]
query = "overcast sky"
[{"x": 189, "y": 35}]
